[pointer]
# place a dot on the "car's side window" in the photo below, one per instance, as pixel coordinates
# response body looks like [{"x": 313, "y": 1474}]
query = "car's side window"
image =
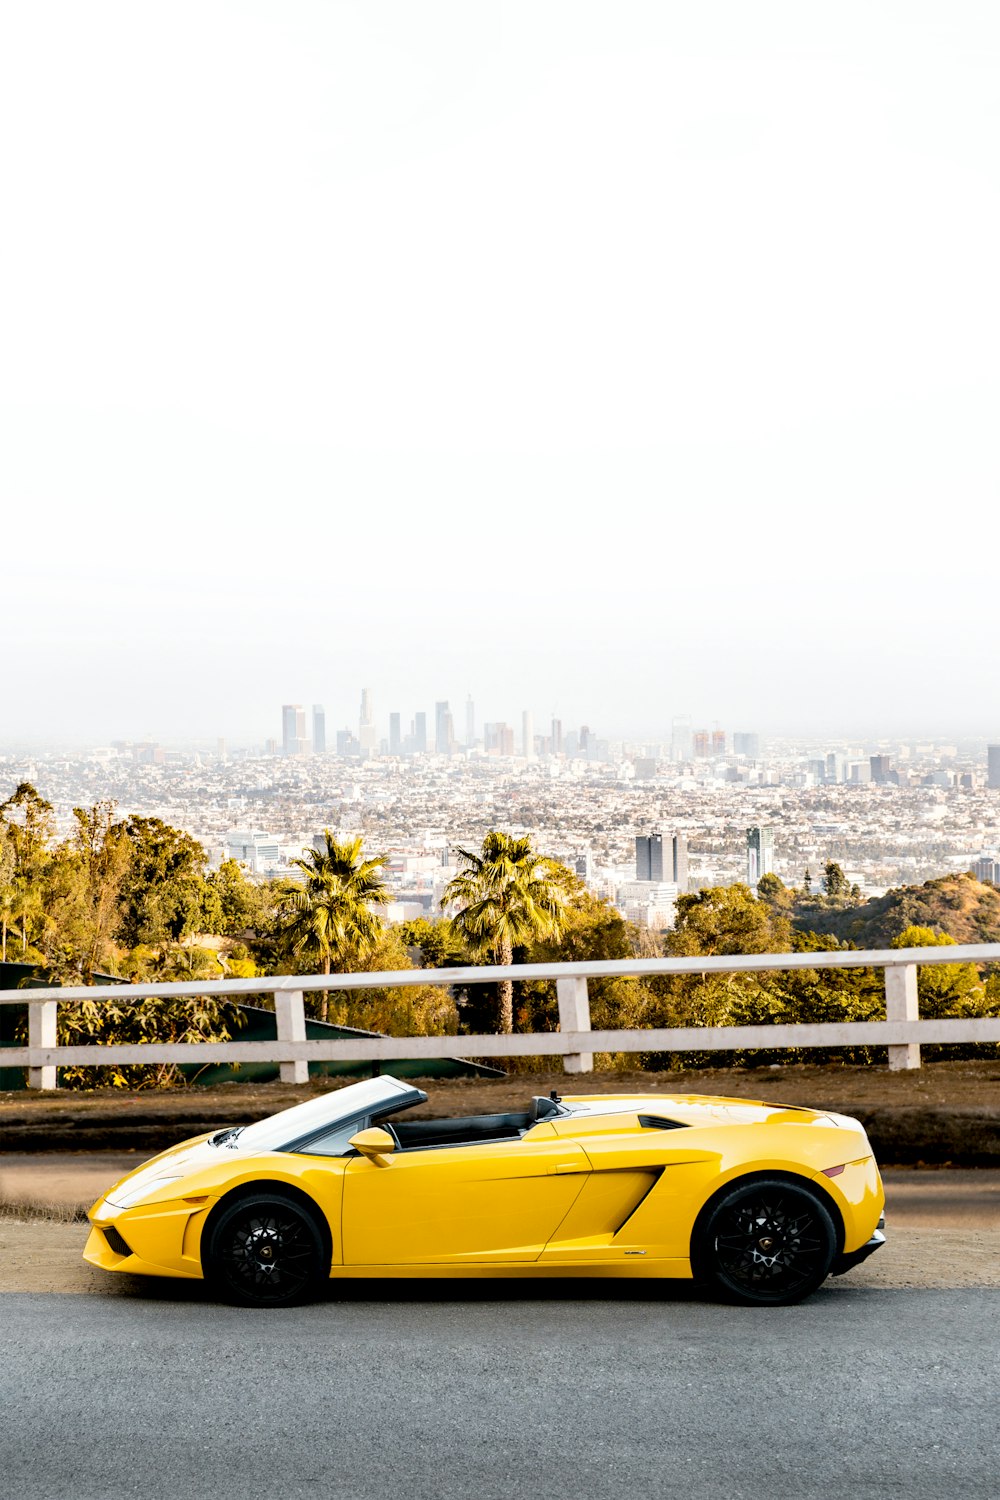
[{"x": 336, "y": 1141}]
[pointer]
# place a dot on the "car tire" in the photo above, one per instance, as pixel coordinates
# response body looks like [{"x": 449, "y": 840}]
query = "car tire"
[
  {"x": 264, "y": 1250},
  {"x": 766, "y": 1242}
]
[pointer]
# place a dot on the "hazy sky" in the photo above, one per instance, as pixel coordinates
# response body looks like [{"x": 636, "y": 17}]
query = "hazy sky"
[{"x": 627, "y": 359}]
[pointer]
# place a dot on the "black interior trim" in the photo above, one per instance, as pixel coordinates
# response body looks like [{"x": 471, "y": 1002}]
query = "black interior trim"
[{"x": 472, "y": 1130}]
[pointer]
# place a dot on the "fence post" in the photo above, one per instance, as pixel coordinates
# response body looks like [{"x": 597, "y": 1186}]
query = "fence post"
[
  {"x": 289, "y": 1008},
  {"x": 901, "y": 1004},
  {"x": 574, "y": 1015},
  {"x": 42, "y": 1033}
]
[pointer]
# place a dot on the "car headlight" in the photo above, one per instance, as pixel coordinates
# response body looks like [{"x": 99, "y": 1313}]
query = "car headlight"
[{"x": 133, "y": 1195}]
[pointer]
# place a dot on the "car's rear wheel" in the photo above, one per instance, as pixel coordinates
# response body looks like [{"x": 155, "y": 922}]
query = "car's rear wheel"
[
  {"x": 765, "y": 1242},
  {"x": 264, "y": 1251}
]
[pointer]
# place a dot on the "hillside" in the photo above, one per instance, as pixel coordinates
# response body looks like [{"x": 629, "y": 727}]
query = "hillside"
[{"x": 959, "y": 905}]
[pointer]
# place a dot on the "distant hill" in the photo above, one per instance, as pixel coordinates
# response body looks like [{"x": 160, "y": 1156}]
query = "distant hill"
[{"x": 959, "y": 905}]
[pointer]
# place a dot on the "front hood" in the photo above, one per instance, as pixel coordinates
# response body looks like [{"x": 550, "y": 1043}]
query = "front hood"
[{"x": 179, "y": 1161}]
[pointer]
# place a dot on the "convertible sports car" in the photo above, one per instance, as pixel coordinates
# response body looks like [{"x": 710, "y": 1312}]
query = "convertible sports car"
[{"x": 758, "y": 1201}]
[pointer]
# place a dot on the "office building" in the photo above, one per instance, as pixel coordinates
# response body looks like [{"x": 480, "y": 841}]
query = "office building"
[
  {"x": 252, "y": 847},
  {"x": 395, "y": 735},
  {"x": 987, "y": 868},
  {"x": 700, "y": 744},
  {"x": 366, "y": 725},
  {"x": 319, "y": 729},
  {"x": 993, "y": 766},
  {"x": 880, "y": 769},
  {"x": 444, "y": 731},
  {"x": 420, "y": 734},
  {"x": 470, "y": 723},
  {"x": 718, "y": 742},
  {"x": 662, "y": 857},
  {"x": 293, "y": 729},
  {"x": 747, "y": 746},
  {"x": 557, "y": 737},
  {"x": 681, "y": 739},
  {"x": 498, "y": 739},
  {"x": 760, "y": 853},
  {"x": 648, "y": 903}
]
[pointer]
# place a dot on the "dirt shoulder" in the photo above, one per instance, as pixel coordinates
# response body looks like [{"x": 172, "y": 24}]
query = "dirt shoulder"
[
  {"x": 943, "y": 1112},
  {"x": 42, "y": 1256}
]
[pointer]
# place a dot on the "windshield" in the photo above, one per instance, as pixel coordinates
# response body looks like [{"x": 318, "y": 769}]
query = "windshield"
[{"x": 291, "y": 1124}]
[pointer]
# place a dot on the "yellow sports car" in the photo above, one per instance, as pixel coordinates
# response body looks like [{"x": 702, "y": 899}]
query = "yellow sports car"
[{"x": 759, "y": 1202}]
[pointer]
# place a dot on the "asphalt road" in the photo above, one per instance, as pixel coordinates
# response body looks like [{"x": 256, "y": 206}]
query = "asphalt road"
[{"x": 560, "y": 1394}]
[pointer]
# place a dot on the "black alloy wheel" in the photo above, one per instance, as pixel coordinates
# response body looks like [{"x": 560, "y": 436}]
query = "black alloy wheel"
[
  {"x": 766, "y": 1243},
  {"x": 265, "y": 1251}
]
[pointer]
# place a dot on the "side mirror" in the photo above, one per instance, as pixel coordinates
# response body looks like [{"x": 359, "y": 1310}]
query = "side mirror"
[{"x": 375, "y": 1144}]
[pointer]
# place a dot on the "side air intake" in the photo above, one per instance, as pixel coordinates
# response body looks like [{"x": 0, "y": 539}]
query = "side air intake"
[{"x": 116, "y": 1241}]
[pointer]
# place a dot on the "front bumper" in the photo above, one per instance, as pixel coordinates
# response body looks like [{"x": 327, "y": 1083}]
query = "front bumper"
[{"x": 855, "y": 1257}]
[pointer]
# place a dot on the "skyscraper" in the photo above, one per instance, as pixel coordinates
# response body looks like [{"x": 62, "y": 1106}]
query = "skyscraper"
[
  {"x": 881, "y": 769},
  {"x": 444, "y": 733},
  {"x": 293, "y": 729},
  {"x": 527, "y": 735},
  {"x": 760, "y": 853},
  {"x": 649, "y": 857},
  {"x": 679, "y": 860},
  {"x": 420, "y": 734},
  {"x": 470, "y": 723},
  {"x": 366, "y": 724},
  {"x": 662, "y": 858},
  {"x": 319, "y": 729},
  {"x": 395, "y": 736},
  {"x": 681, "y": 739},
  {"x": 747, "y": 745},
  {"x": 718, "y": 742},
  {"x": 993, "y": 766},
  {"x": 557, "y": 738}
]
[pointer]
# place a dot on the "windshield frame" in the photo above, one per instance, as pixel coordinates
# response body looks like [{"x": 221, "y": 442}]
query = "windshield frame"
[{"x": 291, "y": 1129}]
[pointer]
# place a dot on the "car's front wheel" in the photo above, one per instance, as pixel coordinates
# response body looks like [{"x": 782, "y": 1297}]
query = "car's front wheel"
[
  {"x": 264, "y": 1251},
  {"x": 765, "y": 1242}
]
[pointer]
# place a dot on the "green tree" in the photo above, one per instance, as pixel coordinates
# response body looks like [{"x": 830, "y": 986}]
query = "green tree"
[
  {"x": 440, "y": 946},
  {"x": 723, "y": 921},
  {"x": 232, "y": 905},
  {"x": 943, "y": 989},
  {"x": 507, "y": 896},
  {"x": 727, "y": 919},
  {"x": 330, "y": 919},
  {"x": 163, "y": 887},
  {"x": 104, "y": 857},
  {"x": 835, "y": 882},
  {"x": 27, "y": 822}
]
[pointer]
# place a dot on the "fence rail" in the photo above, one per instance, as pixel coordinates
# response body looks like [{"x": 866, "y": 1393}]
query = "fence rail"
[{"x": 575, "y": 1042}]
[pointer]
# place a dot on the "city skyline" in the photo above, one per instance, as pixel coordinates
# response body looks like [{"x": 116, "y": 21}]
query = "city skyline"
[{"x": 389, "y": 432}]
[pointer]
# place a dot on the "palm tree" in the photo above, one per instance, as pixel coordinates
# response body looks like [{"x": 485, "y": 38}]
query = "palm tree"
[
  {"x": 331, "y": 917},
  {"x": 508, "y": 896}
]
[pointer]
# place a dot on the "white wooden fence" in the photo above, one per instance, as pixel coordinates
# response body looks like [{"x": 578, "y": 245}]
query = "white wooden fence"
[{"x": 902, "y": 1031}]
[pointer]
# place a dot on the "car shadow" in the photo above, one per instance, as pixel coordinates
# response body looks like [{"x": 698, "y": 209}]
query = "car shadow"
[{"x": 434, "y": 1290}]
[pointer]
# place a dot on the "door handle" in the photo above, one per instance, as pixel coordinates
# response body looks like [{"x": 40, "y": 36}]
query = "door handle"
[{"x": 568, "y": 1166}]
